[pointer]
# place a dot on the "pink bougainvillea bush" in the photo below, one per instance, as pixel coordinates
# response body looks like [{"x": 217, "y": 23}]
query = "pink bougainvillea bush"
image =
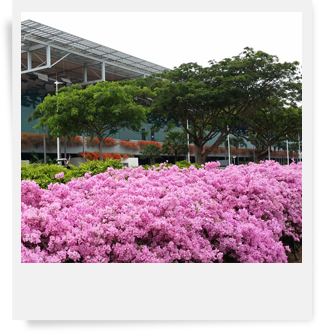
[{"x": 165, "y": 214}]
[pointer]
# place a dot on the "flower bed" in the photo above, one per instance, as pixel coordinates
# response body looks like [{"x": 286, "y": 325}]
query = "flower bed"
[
  {"x": 130, "y": 145},
  {"x": 29, "y": 140},
  {"x": 108, "y": 142},
  {"x": 143, "y": 144},
  {"x": 165, "y": 214},
  {"x": 72, "y": 141}
]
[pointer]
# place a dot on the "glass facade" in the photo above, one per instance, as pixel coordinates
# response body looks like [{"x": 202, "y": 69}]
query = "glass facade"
[{"x": 29, "y": 102}]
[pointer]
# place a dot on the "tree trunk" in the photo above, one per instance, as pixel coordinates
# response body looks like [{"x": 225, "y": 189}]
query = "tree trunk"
[
  {"x": 262, "y": 154},
  {"x": 175, "y": 157},
  {"x": 200, "y": 158},
  {"x": 100, "y": 147}
]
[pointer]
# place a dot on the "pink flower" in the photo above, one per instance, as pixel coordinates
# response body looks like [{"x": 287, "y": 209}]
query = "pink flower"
[
  {"x": 167, "y": 215},
  {"x": 87, "y": 175}
]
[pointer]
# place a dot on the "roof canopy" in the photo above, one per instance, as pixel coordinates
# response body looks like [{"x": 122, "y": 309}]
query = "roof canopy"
[{"x": 53, "y": 53}]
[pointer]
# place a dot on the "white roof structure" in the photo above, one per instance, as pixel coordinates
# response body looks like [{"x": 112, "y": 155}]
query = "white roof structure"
[{"x": 50, "y": 54}]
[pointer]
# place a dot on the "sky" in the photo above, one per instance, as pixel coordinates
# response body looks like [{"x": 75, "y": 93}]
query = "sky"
[{"x": 172, "y": 38}]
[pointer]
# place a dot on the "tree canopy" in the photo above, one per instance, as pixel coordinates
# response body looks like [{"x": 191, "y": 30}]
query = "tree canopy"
[
  {"x": 270, "y": 125},
  {"x": 100, "y": 109},
  {"x": 223, "y": 94}
]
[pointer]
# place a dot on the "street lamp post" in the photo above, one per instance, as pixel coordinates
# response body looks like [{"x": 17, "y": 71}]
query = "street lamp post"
[
  {"x": 58, "y": 139},
  {"x": 299, "y": 149},
  {"x": 229, "y": 157},
  {"x": 287, "y": 151},
  {"x": 84, "y": 142},
  {"x": 188, "y": 142}
]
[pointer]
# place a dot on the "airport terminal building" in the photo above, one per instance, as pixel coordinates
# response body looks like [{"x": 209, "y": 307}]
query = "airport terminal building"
[{"x": 49, "y": 55}]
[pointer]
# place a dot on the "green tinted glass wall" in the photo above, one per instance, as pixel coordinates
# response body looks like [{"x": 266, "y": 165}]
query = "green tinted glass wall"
[{"x": 29, "y": 102}]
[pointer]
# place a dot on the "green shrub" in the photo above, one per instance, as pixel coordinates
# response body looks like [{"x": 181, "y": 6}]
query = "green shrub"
[
  {"x": 44, "y": 175},
  {"x": 94, "y": 166},
  {"x": 186, "y": 164},
  {"x": 181, "y": 165}
]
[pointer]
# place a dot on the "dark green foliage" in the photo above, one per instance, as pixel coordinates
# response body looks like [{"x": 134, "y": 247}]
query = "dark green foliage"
[
  {"x": 175, "y": 143},
  {"x": 36, "y": 159},
  {"x": 227, "y": 93},
  {"x": 270, "y": 125},
  {"x": 151, "y": 152}
]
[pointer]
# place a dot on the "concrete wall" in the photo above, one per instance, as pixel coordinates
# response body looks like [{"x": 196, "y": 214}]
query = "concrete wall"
[{"x": 131, "y": 161}]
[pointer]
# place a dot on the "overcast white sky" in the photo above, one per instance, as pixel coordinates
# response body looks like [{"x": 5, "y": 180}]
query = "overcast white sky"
[{"x": 170, "y": 39}]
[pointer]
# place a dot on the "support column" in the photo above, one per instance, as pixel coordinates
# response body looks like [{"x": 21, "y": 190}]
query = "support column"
[
  {"x": 48, "y": 55},
  {"x": 29, "y": 59},
  {"x": 85, "y": 74},
  {"x": 103, "y": 71}
]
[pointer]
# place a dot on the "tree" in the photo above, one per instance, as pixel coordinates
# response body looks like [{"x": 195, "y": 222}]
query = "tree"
[
  {"x": 100, "y": 109},
  {"x": 151, "y": 152},
  {"x": 212, "y": 98},
  {"x": 175, "y": 143},
  {"x": 268, "y": 126}
]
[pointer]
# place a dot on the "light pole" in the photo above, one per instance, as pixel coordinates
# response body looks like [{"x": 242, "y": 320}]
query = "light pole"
[
  {"x": 188, "y": 142},
  {"x": 229, "y": 157},
  {"x": 299, "y": 149},
  {"x": 84, "y": 142},
  {"x": 58, "y": 139},
  {"x": 287, "y": 151},
  {"x": 268, "y": 113}
]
